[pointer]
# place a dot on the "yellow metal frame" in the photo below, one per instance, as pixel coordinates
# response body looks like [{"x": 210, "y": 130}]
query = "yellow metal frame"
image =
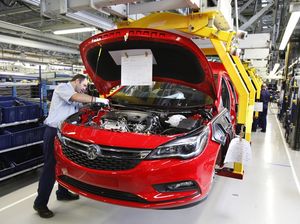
[
  {"x": 252, "y": 93},
  {"x": 256, "y": 81},
  {"x": 236, "y": 79},
  {"x": 196, "y": 24}
]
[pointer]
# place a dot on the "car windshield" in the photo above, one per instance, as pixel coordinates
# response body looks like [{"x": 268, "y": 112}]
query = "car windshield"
[{"x": 161, "y": 94}]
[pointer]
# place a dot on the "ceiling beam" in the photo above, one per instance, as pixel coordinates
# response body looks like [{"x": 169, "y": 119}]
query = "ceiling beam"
[
  {"x": 9, "y": 12},
  {"x": 157, "y": 6},
  {"x": 92, "y": 19},
  {"x": 37, "y": 45},
  {"x": 257, "y": 16},
  {"x": 61, "y": 26},
  {"x": 102, "y": 3},
  {"x": 30, "y": 21},
  {"x": 34, "y": 32},
  {"x": 243, "y": 19},
  {"x": 245, "y": 5}
]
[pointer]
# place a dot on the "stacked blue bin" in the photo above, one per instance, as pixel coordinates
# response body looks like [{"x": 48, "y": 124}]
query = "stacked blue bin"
[
  {"x": 31, "y": 156},
  {"x": 5, "y": 139},
  {"x": 12, "y": 110},
  {"x": 26, "y": 134},
  {"x": 7, "y": 166}
]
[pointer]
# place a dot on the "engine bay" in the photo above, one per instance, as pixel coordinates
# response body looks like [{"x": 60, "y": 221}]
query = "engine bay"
[{"x": 140, "y": 121}]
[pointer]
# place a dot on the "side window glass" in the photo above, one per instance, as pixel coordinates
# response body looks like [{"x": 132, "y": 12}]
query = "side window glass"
[
  {"x": 225, "y": 95},
  {"x": 233, "y": 91}
]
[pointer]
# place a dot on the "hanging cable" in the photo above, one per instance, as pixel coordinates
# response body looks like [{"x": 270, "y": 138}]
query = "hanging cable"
[{"x": 236, "y": 16}]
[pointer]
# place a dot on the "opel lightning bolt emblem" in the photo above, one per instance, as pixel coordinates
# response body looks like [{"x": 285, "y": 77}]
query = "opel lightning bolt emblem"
[{"x": 93, "y": 151}]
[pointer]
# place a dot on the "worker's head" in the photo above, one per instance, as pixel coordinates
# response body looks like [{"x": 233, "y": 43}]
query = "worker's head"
[
  {"x": 80, "y": 83},
  {"x": 264, "y": 86}
]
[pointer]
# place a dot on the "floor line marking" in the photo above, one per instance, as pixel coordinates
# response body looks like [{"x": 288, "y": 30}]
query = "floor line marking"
[
  {"x": 17, "y": 202},
  {"x": 20, "y": 201},
  {"x": 277, "y": 164},
  {"x": 289, "y": 157}
]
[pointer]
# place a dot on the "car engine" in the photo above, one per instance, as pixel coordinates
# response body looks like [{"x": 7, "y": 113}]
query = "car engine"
[
  {"x": 137, "y": 121},
  {"x": 131, "y": 121}
]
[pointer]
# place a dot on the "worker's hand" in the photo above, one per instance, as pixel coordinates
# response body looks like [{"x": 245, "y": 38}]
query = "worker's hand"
[{"x": 102, "y": 100}]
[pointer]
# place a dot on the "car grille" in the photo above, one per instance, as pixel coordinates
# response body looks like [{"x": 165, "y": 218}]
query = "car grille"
[
  {"x": 104, "y": 159},
  {"x": 119, "y": 195}
]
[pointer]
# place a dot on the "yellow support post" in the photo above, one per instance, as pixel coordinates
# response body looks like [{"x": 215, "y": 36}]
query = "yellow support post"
[
  {"x": 252, "y": 91},
  {"x": 256, "y": 80},
  {"x": 238, "y": 168},
  {"x": 236, "y": 79},
  {"x": 257, "y": 83}
]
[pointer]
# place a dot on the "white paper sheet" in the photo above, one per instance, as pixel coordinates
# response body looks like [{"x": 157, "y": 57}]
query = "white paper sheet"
[
  {"x": 136, "y": 70},
  {"x": 117, "y": 55},
  {"x": 239, "y": 150},
  {"x": 258, "y": 106}
]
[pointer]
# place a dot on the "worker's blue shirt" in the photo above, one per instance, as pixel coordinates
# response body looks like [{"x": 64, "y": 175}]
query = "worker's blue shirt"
[{"x": 61, "y": 105}]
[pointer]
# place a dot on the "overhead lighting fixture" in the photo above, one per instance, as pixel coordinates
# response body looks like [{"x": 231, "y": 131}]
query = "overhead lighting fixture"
[
  {"x": 75, "y": 30},
  {"x": 275, "y": 68},
  {"x": 33, "y": 2},
  {"x": 37, "y": 45},
  {"x": 93, "y": 20},
  {"x": 289, "y": 29}
]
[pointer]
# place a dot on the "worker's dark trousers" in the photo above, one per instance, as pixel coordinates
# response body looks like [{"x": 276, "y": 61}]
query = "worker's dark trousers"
[
  {"x": 263, "y": 119},
  {"x": 47, "y": 178}
]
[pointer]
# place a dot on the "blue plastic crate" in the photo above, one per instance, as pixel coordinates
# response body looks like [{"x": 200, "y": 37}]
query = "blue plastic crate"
[
  {"x": 13, "y": 111},
  {"x": 36, "y": 133},
  {"x": 5, "y": 139},
  {"x": 26, "y": 158},
  {"x": 6, "y": 166},
  {"x": 25, "y": 134},
  {"x": 28, "y": 111},
  {"x": 7, "y": 98},
  {"x": 33, "y": 110},
  {"x": 9, "y": 111}
]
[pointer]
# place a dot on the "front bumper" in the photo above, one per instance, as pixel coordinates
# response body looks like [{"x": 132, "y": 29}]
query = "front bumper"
[{"x": 134, "y": 187}]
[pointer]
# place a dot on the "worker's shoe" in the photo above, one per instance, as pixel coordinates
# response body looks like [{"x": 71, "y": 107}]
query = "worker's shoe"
[
  {"x": 67, "y": 197},
  {"x": 43, "y": 212}
]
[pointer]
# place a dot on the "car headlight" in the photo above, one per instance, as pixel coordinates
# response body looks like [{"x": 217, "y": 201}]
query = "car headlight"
[
  {"x": 184, "y": 148},
  {"x": 59, "y": 135}
]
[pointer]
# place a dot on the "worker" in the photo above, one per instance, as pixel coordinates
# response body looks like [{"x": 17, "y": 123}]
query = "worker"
[
  {"x": 66, "y": 100},
  {"x": 265, "y": 99}
]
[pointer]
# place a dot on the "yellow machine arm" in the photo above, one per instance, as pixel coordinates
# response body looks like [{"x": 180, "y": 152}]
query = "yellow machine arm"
[{"x": 209, "y": 25}]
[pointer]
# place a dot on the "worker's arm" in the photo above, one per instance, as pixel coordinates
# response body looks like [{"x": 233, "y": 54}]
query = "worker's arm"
[{"x": 84, "y": 98}]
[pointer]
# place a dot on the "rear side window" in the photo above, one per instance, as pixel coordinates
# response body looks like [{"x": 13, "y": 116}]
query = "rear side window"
[
  {"x": 233, "y": 91},
  {"x": 225, "y": 95}
]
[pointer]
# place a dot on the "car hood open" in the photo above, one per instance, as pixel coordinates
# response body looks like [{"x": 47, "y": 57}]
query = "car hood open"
[{"x": 178, "y": 59}]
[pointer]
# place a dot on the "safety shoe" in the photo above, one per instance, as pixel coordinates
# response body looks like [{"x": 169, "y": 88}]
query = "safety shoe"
[
  {"x": 43, "y": 212},
  {"x": 67, "y": 197}
]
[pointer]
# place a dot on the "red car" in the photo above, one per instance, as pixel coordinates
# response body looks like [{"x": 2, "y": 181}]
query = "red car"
[{"x": 155, "y": 146}]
